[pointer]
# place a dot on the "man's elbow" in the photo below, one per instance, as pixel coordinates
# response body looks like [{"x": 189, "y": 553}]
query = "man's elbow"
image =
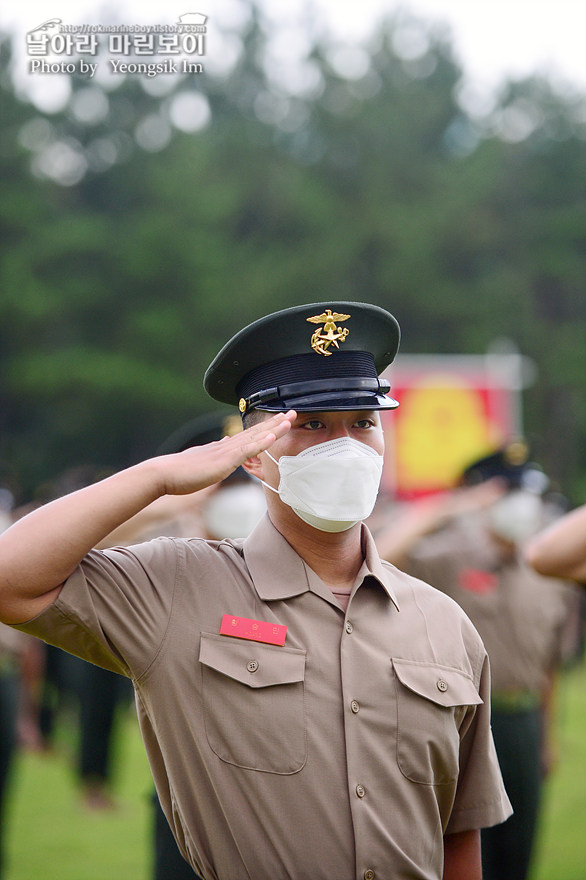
[
  {"x": 548, "y": 563},
  {"x": 536, "y": 558},
  {"x": 16, "y": 609}
]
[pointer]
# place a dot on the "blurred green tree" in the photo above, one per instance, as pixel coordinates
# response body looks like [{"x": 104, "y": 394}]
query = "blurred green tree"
[{"x": 157, "y": 222}]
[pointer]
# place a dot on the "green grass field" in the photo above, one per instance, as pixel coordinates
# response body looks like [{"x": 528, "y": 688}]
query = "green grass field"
[
  {"x": 51, "y": 836},
  {"x": 561, "y": 852}
]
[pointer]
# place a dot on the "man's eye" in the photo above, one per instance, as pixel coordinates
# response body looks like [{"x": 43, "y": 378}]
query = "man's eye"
[
  {"x": 313, "y": 425},
  {"x": 364, "y": 423}
]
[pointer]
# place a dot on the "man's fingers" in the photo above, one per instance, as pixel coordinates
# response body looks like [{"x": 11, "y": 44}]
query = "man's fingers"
[
  {"x": 209, "y": 464},
  {"x": 271, "y": 423},
  {"x": 259, "y": 437},
  {"x": 257, "y": 445}
]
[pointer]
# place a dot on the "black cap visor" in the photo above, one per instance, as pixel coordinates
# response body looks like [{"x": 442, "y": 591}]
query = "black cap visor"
[
  {"x": 366, "y": 402},
  {"x": 319, "y": 395}
]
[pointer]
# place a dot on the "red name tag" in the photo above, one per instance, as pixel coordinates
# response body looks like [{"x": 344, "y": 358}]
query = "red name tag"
[{"x": 255, "y": 630}]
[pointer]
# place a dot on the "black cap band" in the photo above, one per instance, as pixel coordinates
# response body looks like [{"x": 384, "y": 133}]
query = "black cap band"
[
  {"x": 350, "y": 377},
  {"x": 298, "y": 367}
]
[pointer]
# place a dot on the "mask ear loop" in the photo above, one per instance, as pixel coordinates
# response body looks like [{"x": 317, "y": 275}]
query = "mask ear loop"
[{"x": 276, "y": 491}]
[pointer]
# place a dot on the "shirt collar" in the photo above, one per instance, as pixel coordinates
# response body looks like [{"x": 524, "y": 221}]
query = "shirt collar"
[
  {"x": 276, "y": 569},
  {"x": 278, "y": 572},
  {"x": 373, "y": 567}
]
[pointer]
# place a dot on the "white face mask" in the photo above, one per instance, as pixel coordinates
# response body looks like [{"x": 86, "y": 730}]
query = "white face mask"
[
  {"x": 516, "y": 516},
  {"x": 331, "y": 486},
  {"x": 233, "y": 511}
]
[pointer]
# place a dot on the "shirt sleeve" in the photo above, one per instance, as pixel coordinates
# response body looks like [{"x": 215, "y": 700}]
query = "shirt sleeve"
[
  {"x": 115, "y": 607},
  {"x": 481, "y": 800}
]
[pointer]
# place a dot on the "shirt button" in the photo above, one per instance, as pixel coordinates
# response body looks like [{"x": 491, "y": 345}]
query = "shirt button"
[
  {"x": 355, "y": 706},
  {"x": 369, "y": 874},
  {"x": 252, "y": 665},
  {"x": 349, "y": 627},
  {"x": 442, "y": 685},
  {"x": 360, "y": 791}
]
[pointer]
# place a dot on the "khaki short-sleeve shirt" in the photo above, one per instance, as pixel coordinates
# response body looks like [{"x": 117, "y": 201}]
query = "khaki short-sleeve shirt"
[{"x": 346, "y": 753}]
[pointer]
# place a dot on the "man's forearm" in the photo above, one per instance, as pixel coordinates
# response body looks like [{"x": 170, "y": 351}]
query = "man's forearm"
[
  {"x": 560, "y": 550},
  {"x": 462, "y": 856},
  {"x": 40, "y": 551}
]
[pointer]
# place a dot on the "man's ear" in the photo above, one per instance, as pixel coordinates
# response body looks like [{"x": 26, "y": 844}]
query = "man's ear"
[{"x": 253, "y": 466}]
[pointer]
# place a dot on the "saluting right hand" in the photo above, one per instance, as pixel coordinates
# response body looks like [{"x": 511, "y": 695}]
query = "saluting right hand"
[{"x": 199, "y": 466}]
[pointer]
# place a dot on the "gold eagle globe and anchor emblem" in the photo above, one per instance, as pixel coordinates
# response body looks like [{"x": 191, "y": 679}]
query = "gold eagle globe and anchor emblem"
[{"x": 330, "y": 334}]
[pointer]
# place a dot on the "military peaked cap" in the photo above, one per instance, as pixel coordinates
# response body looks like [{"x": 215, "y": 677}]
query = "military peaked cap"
[
  {"x": 511, "y": 464},
  {"x": 320, "y": 356}
]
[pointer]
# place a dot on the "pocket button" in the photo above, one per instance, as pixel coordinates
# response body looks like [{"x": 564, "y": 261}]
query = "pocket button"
[
  {"x": 252, "y": 665},
  {"x": 442, "y": 685}
]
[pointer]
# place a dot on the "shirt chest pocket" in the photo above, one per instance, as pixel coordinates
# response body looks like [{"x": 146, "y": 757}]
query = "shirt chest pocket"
[
  {"x": 432, "y": 702},
  {"x": 254, "y": 703}
]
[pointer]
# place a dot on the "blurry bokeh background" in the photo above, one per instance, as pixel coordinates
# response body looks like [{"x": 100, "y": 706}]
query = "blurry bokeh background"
[
  {"x": 427, "y": 156},
  {"x": 370, "y": 152}
]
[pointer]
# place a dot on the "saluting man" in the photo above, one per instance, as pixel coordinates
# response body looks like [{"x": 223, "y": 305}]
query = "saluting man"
[{"x": 308, "y": 710}]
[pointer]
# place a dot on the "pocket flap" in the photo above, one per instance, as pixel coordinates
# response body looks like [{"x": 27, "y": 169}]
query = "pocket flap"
[
  {"x": 443, "y": 685},
  {"x": 252, "y": 663}
]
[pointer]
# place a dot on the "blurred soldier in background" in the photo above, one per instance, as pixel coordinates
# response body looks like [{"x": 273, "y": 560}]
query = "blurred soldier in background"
[
  {"x": 79, "y": 694},
  {"x": 467, "y": 544},
  {"x": 19, "y": 661}
]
